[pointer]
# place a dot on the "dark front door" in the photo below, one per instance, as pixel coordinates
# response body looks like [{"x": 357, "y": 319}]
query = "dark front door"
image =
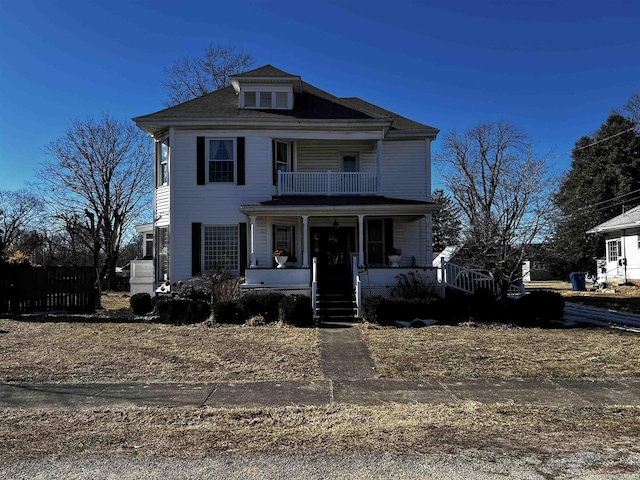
[{"x": 332, "y": 247}]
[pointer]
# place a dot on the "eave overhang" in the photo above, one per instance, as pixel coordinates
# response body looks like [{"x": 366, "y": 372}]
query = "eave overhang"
[{"x": 339, "y": 210}]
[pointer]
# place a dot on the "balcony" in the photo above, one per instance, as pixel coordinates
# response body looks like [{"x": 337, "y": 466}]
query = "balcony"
[{"x": 327, "y": 183}]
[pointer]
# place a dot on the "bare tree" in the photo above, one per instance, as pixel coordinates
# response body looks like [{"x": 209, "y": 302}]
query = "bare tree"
[
  {"x": 191, "y": 77},
  {"x": 20, "y": 211},
  {"x": 632, "y": 107},
  {"x": 503, "y": 192},
  {"x": 98, "y": 181}
]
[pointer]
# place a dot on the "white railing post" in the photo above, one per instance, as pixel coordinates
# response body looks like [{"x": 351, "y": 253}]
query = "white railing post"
[
  {"x": 358, "y": 297},
  {"x": 314, "y": 286},
  {"x": 329, "y": 186}
]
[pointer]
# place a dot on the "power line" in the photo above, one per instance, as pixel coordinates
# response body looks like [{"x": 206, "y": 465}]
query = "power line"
[
  {"x": 594, "y": 143},
  {"x": 608, "y": 200}
]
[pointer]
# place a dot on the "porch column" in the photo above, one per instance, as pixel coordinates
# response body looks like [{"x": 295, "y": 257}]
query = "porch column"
[
  {"x": 378, "y": 166},
  {"x": 360, "y": 240},
  {"x": 429, "y": 240},
  {"x": 305, "y": 240},
  {"x": 252, "y": 236}
]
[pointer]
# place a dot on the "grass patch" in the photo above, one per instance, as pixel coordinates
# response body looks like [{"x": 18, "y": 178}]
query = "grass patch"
[
  {"x": 115, "y": 301},
  {"x": 194, "y": 432},
  {"x": 465, "y": 353},
  {"x": 63, "y": 352}
]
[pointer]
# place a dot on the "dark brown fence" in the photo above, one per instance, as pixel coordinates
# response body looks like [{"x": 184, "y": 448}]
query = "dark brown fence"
[{"x": 26, "y": 289}]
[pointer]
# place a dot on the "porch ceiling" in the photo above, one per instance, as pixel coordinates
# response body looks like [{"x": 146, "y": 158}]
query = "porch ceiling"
[{"x": 338, "y": 204}]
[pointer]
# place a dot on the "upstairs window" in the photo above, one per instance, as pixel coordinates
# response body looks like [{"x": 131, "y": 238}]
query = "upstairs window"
[
  {"x": 266, "y": 99},
  {"x": 250, "y": 99},
  {"x": 162, "y": 155},
  {"x": 221, "y": 160}
]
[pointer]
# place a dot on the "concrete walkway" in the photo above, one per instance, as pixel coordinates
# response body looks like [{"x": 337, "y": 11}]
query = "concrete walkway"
[
  {"x": 350, "y": 378},
  {"x": 323, "y": 392}
]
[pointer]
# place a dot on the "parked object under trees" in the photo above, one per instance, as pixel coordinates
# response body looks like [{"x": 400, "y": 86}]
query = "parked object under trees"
[
  {"x": 503, "y": 192},
  {"x": 97, "y": 184}
]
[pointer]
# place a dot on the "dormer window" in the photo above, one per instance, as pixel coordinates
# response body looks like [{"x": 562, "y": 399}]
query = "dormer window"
[{"x": 268, "y": 98}]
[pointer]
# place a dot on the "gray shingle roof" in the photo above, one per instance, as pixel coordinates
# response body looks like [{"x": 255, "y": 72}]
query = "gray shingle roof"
[
  {"x": 311, "y": 104},
  {"x": 625, "y": 220}
]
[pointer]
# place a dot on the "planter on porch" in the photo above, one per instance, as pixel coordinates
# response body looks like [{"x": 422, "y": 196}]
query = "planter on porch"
[{"x": 281, "y": 260}]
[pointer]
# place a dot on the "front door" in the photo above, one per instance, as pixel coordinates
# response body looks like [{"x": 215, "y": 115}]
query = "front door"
[{"x": 332, "y": 247}]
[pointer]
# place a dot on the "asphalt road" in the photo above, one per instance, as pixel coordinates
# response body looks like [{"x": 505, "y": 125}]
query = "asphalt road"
[{"x": 474, "y": 465}]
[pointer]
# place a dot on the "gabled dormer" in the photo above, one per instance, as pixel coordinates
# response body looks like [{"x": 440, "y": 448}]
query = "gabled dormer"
[{"x": 266, "y": 88}]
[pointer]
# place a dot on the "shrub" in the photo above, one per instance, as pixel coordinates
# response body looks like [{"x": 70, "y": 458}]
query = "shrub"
[
  {"x": 484, "y": 305},
  {"x": 140, "y": 303},
  {"x": 226, "y": 311},
  {"x": 456, "y": 306},
  {"x": 539, "y": 308},
  {"x": 415, "y": 284},
  {"x": 250, "y": 304},
  {"x": 271, "y": 305},
  {"x": 194, "y": 291},
  {"x": 387, "y": 310},
  {"x": 296, "y": 310},
  {"x": 179, "y": 311}
]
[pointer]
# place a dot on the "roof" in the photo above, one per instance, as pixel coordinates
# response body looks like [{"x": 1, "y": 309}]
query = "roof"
[
  {"x": 629, "y": 219},
  {"x": 345, "y": 204},
  {"x": 311, "y": 104}
]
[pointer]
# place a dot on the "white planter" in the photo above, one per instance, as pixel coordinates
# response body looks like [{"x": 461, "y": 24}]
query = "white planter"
[
  {"x": 394, "y": 260},
  {"x": 281, "y": 260}
]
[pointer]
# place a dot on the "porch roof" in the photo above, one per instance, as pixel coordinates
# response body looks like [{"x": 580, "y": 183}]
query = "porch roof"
[{"x": 339, "y": 204}]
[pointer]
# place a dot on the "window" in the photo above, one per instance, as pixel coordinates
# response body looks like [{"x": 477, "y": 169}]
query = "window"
[
  {"x": 275, "y": 99},
  {"x": 221, "y": 248},
  {"x": 349, "y": 161},
  {"x": 250, "y": 99},
  {"x": 162, "y": 155},
  {"x": 283, "y": 239},
  {"x": 162, "y": 254},
  {"x": 221, "y": 160},
  {"x": 282, "y": 100},
  {"x": 614, "y": 248},
  {"x": 282, "y": 156},
  {"x": 375, "y": 243},
  {"x": 148, "y": 245},
  {"x": 265, "y": 99}
]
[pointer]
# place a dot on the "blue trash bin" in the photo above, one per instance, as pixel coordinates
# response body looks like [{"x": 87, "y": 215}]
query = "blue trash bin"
[{"x": 578, "y": 281}]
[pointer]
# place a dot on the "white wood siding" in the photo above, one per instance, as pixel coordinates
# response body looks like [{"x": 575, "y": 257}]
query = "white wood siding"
[
  {"x": 630, "y": 239},
  {"x": 324, "y": 155},
  {"x": 163, "y": 198},
  {"x": 212, "y": 203},
  {"x": 404, "y": 170},
  {"x": 411, "y": 238}
]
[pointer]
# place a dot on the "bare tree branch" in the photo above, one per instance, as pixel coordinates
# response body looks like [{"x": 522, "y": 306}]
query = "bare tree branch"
[
  {"x": 97, "y": 183},
  {"x": 192, "y": 77}
]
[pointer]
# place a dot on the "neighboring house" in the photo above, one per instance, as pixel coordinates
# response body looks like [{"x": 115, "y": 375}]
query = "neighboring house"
[
  {"x": 274, "y": 163},
  {"x": 622, "y": 247},
  {"x": 539, "y": 264}
]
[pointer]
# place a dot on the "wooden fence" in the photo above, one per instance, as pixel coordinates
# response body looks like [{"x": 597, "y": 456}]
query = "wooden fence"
[{"x": 26, "y": 289}]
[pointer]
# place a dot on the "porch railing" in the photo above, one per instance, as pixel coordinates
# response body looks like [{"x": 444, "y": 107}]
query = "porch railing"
[{"x": 327, "y": 183}]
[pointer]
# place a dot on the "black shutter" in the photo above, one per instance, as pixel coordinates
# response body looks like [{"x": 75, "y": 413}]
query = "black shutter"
[
  {"x": 273, "y": 162},
  {"x": 388, "y": 235},
  {"x": 200, "y": 160},
  {"x": 196, "y": 249},
  {"x": 240, "y": 160},
  {"x": 243, "y": 247}
]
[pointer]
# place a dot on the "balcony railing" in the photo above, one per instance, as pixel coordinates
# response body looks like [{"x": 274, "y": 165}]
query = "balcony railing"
[{"x": 327, "y": 183}]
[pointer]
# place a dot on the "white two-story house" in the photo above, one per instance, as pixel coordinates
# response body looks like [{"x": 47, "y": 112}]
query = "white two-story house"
[{"x": 273, "y": 163}]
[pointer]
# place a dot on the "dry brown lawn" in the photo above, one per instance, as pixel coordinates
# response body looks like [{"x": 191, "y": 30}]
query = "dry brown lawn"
[
  {"x": 74, "y": 352},
  {"x": 466, "y": 352},
  {"x": 412, "y": 429}
]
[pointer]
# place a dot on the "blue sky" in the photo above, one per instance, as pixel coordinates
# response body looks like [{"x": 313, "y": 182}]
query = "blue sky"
[{"x": 554, "y": 68}]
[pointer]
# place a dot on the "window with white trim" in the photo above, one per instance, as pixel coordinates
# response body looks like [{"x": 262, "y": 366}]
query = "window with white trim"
[
  {"x": 221, "y": 250},
  {"x": 349, "y": 161},
  {"x": 374, "y": 242},
  {"x": 283, "y": 156},
  {"x": 280, "y": 98},
  {"x": 221, "y": 159},
  {"x": 162, "y": 155},
  {"x": 614, "y": 250}
]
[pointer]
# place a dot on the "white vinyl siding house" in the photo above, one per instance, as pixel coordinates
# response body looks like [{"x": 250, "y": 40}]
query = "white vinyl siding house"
[
  {"x": 622, "y": 248},
  {"x": 274, "y": 163}
]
